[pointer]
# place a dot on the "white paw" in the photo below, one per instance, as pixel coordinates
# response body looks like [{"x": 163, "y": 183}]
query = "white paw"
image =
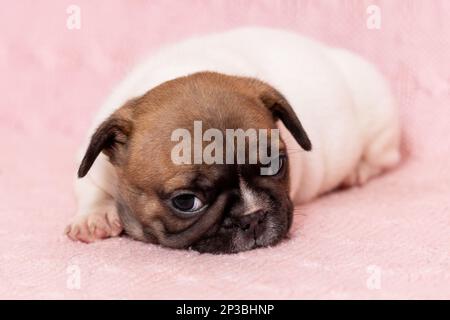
[{"x": 101, "y": 223}]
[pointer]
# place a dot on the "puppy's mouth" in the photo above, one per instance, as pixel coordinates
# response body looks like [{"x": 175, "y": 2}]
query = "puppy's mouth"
[{"x": 232, "y": 236}]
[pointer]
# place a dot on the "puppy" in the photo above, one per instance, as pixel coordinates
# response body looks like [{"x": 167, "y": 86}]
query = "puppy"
[{"x": 338, "y": 123}]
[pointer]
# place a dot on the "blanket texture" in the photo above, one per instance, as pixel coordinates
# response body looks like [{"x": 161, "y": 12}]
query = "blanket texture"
[{"x": 388, "y": 239}]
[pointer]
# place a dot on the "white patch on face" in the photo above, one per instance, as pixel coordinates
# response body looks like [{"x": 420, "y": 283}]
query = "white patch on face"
[{"x": 250, "y": 198}]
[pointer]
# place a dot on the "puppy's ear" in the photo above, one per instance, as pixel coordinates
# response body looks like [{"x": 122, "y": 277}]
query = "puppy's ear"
[
  {"x": 281, "y": 109},
  {"x": 110, "y": 138}
]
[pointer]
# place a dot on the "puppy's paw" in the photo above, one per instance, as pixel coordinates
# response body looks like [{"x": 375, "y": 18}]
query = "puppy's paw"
[{"x": 99, "y": 224}]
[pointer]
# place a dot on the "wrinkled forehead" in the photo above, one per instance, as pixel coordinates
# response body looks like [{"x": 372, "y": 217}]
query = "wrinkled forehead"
[
  {"x": 182, "y": 134},
  {"x": 208, "y": 179},
  {"x": 219, "y": 111},
  {"x": 203, "y": 178}
]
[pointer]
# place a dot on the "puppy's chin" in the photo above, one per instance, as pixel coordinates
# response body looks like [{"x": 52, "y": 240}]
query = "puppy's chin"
[{"x": 234, "y": 239}]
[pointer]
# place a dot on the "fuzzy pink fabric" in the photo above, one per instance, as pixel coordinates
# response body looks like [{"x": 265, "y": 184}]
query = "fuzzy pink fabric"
[{"x": 389, "y": 239}]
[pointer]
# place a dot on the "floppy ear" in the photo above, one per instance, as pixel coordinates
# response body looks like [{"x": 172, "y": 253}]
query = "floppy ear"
[
  {"x": 281, "y": 109},
  {"x": 111, "y": 138}
]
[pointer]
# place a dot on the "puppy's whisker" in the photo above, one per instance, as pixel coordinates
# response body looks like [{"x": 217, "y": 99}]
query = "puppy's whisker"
[{"x": 299, "y": 214}]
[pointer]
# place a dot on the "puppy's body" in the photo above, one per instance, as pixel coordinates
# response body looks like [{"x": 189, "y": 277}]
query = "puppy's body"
[{"x": 341, "y": 100}]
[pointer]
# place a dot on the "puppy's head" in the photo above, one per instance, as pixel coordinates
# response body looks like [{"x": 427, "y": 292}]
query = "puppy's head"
[{"x": 212, "y": 207}]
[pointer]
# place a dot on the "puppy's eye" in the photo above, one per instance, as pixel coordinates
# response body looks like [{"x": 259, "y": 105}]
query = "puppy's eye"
[
  {"x": 187, "y": 203},
  {"x": 282, "y": 162},
  {"x": 276, "y": 168}
]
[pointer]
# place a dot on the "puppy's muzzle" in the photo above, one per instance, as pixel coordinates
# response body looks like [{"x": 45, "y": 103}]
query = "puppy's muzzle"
[{"x": 250, "y": 224}]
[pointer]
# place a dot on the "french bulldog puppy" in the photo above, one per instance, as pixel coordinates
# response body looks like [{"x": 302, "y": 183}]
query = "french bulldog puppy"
[{"x": 339, "y": 127}]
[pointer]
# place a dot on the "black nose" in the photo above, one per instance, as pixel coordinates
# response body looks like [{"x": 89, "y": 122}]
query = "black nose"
[{"x": 251, "y": 222}]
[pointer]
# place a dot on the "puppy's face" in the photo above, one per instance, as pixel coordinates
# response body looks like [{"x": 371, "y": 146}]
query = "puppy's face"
[{"x": 212, "y": 207}]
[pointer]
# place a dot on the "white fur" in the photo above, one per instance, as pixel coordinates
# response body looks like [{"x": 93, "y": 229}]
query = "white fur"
[{"x": 341, "y": 100}]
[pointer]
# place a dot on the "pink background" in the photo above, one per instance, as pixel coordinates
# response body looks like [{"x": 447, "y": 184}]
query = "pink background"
[{"x": 52, "y": 80}]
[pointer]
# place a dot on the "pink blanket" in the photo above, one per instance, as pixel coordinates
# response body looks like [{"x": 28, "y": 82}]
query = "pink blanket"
[{"x": 389, "y": 239}]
